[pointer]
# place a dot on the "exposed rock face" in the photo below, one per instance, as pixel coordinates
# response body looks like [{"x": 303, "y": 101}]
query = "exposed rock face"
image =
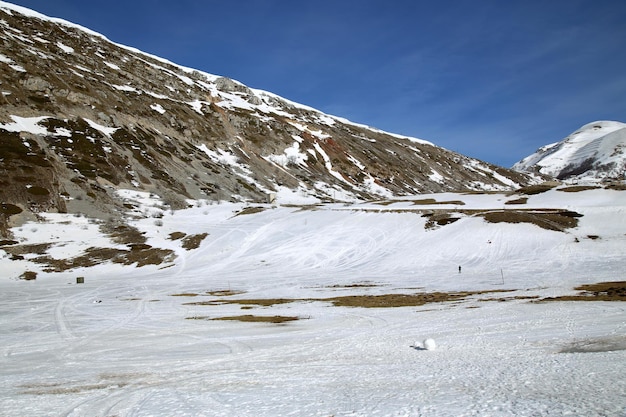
[{"x": 82, "y": 117}]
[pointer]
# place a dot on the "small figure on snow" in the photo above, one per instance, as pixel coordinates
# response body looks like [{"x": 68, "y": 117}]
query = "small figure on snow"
[{"x": 459, "y": 269}]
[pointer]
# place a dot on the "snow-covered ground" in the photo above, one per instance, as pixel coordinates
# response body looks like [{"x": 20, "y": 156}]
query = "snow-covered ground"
[
  {"x": 593, "y": 152},
  {"x": 123, "y": 343}
]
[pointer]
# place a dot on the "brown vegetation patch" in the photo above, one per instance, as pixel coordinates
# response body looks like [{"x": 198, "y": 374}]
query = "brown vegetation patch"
[
  {"x": 259, "y": 319},
  {"x": 150, "y": 256},
  {"x": 224, "y": 293},
  {"x": 303, "y": 207},
  {"x": 395, "y": 300},
  {"x": 94, "y": 256},
  {"x": 250, "y": 210},
  {"x": 521, "y": 200},
  {"x": 535, "y": 189},
  {"x": 124, "y": 234},
  {"x": 366, "y": 301},
  {"x": 264, "y": 302},
  {"x": 602, "y": 291},
  {"x": 432, "y": 201},
  {"x": 577, "y": 188},
  {"x": 439, "y": 219},
  {"x": 193, "y": 241},
  {"x": 356, "y": 285},
  {"x": 28, "y": 276},
  {"x": 517, "y": 297},
  {"x": 558, "y": 220},
  {"x": 35, "y": 248},
  {"x": 396, "y": 211},
  {"x": 477, "y": 192},
  {"x": 137, "y": 251},
  {"x": 185, "y": 294},
  {"x": 616, "y": 186},
  {"x": 177, "y": 235},
  {"x": 385, "y": 202}
]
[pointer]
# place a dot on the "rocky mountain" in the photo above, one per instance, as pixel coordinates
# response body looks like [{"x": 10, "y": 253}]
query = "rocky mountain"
[
  {"x": 596, "y": 151},
  {"x": 83, "y": 117}
]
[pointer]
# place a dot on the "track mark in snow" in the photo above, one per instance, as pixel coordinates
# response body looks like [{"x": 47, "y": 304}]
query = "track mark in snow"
[
  {"x": 371, "y": 321},
  {"x": 111, "y": 403},
  {"x": 61, "y": 321}
]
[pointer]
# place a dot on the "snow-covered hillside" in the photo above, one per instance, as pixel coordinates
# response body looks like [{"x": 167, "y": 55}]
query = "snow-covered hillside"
[
  {"x": 83, "y": 117},
  {"x": 596, "y": 151},
  {"x": 177, "y": 338}
]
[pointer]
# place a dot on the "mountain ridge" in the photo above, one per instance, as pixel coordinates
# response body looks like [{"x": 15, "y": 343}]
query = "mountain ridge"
[{"x": 594, "y": 152}]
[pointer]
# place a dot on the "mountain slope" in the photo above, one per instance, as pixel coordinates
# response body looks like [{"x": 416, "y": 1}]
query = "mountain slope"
[
  {"x": 83, "y": 117},
  {"x": 595, "y": 151}
]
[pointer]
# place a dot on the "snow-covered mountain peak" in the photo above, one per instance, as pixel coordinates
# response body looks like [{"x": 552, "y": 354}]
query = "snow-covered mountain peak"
[{"x": 596, "y": 151}]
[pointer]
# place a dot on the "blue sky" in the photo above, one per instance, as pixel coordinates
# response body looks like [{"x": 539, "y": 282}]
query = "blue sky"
[{"x": 491, "y": 79}]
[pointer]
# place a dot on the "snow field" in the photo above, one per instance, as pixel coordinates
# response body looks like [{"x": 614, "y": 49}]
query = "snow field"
[{"x": 122, "y": 343}]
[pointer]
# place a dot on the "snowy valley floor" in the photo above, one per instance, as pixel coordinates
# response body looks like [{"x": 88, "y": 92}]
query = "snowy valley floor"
[{"x": 170, "y": 340}]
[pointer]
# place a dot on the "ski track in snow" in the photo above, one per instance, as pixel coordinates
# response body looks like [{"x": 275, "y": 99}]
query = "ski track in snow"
[{"x": 121, "y": 344}]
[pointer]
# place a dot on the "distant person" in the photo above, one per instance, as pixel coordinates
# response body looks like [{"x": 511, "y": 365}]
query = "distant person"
[{"x": 459, "y": 269}]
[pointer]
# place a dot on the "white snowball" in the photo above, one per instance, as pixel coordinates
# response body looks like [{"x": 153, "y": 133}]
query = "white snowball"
[{"x": 429, "y": 344}]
